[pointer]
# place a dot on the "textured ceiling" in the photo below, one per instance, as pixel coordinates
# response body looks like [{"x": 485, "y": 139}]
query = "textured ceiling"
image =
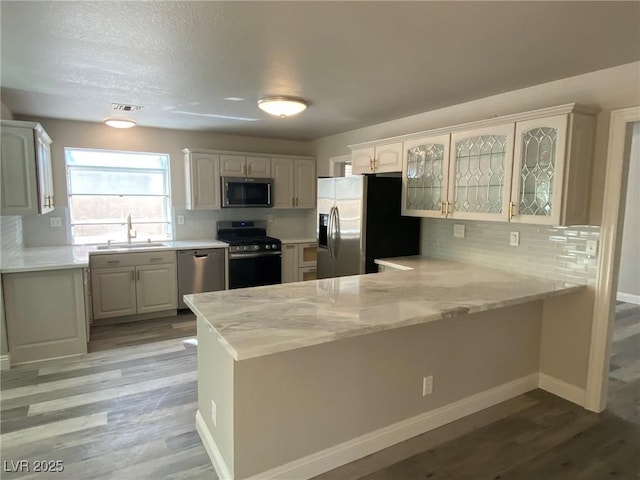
[{"x": 357, "y": 63}]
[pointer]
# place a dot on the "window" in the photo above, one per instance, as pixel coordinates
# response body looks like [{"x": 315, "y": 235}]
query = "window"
[
  {"x": 105, "y": 187},
  {"x": 340, "y": 166}
]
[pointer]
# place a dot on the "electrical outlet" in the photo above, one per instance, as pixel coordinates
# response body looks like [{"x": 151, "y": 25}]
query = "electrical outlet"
[
  {"x": 180, "y": 219},
  {"x": 213, "y": 412},
  {"x": 592, "y": 248},
  {"x": 270, "y": 218},
  {"x": 514, "y": 239},
  {"x": 55, "y": 222},
  {"x": 427, "y": 385},
  {"x": 458, "y": 230}
]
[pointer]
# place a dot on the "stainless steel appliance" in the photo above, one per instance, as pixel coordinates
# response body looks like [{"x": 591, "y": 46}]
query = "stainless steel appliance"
[
  {"x": 254, "y": 258},
  {"x": 359, "y": 220},
  {"x": 200, "y": 271},
  {"x": 246, "y": 192}
]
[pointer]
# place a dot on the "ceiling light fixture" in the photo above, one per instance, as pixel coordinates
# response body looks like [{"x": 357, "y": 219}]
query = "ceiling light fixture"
[
  {"x": 120, "y": 122},
  {"x": 282, "y": 106}
]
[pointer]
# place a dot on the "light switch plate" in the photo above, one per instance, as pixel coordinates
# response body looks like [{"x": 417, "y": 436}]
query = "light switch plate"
[
  {"x": 180, "y": 219},
  {"x": 55, "y": 222},
  {"x": 592, "y": 248},
  {"x": 458, "y": 230},
  {"x": 514, "y": 239}
]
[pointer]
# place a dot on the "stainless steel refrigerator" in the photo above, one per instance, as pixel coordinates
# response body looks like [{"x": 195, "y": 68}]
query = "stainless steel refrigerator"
[{"x": 359, "y": 220}]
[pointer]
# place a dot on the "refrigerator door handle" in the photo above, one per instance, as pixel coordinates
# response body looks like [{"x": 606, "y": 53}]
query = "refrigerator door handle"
[
  {"x": 336, "y": 229},
  {"x": 330, "y": 233}
]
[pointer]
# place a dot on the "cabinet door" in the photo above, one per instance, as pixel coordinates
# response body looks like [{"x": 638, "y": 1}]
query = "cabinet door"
[
  {"x": 45, "y": 314},
  {"x": 362, "y": 160},
  {"x": 307, "y": 273},
  {"x": 113, "y": 291},
  {"x": 18, "y": 172},
  {"x": 388, "y": 158},
  {"x": 425, "y": 176},
  {"x": 259, "y": 167},
  {"x": 307, "y": 254},
  {"x": 204, "y": 180},
  {"x": 536, "y": 192},
  {"x": 480, "y": 173},
  {"x": 289, "y": 263},
  {"x": 283, "y": 182},
  {"x": 156, "y": 287},
  {"x": 305, "y": 183},
  {"x": 45, "y": 173},
  {"x": 233, "y": 166}
]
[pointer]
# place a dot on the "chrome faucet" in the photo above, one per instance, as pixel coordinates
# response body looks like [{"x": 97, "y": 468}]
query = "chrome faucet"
[{"x": 130, "y": 229}]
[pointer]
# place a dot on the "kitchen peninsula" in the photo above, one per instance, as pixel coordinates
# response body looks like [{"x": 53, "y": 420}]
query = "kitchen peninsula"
[{"x": 295, "y": 380}]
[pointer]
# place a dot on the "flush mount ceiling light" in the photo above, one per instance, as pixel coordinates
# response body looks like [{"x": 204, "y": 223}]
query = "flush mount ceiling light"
[
  {"x": 282, "y": 106},
  {"x": 120, "y": 122}
]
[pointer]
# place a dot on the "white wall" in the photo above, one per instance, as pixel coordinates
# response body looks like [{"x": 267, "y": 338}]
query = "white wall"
[
  {"x": 629, "y": 276},
  {"x": 5, "y": 113},
  {"x": 67, "y": 133}
]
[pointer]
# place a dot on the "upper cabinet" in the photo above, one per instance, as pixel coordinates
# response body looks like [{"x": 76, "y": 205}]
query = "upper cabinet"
[
  {"x": 480, "y": 173},
  {"x": 202, "y": 174},
  {"x": 536, "y": 168},
  {"x": 245, "y": 166},
  {"x": 27, "y": 179},
  {"x": 425, "y": 180},
  {"x": 552, "y": 170},
  {"x": 294, "y": 182},
  {"x": 381, "y": 158}
]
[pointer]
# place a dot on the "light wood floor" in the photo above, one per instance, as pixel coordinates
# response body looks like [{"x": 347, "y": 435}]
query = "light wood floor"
[{"x": 126, "y": 411}]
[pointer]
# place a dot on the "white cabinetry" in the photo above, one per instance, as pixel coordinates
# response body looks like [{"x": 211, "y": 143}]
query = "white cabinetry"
[
  {"x": 26, "y": 171},
  {"x": 382, "y": 158},
  {"x": 202, "y": 173},
  {"x": 535, "y": 168},
  {"x": 245, "y": 166},
  {"x": 294, "y": 182},
  {"x": 45, "y": 314},
  {"x": 133, "y": 283},
  {"x": 299, "y": 262}
]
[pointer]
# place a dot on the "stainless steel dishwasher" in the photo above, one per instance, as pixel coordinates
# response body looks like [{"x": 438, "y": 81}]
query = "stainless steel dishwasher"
[{"x": 200, "y": 271}]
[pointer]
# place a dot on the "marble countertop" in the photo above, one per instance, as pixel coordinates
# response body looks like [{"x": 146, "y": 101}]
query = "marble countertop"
[
  {"x": 56, "y": 258},
  {"x": 258, "y": 321}
]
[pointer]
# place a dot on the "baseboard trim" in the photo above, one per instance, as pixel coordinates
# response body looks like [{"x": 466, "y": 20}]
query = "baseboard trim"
[
  {"x": 351, "y": 450},
  {"x": 212, "y": 449},
  {"x": 562, "y": 389},
  {"x": 627, "y": 297},
  {"x": 4, "y": 362}
]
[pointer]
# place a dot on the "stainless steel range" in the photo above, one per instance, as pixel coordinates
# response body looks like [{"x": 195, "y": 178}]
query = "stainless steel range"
[{"x": 254, "y": 258}]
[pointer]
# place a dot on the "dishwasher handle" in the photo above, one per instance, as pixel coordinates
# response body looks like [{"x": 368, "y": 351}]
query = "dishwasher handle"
[{"x": 201, "y": 255}]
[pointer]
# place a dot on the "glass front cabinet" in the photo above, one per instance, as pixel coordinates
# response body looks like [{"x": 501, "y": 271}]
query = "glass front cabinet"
[
  {"x": 534, "y": 170},
  {"x": 425, "y": 176}
]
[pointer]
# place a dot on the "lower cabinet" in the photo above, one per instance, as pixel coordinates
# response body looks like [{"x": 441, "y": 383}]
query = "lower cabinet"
[
  {"x": 45, "y": 314},
  {"x": 133, "y": 283},
  {"x": 299, "y": 262}
]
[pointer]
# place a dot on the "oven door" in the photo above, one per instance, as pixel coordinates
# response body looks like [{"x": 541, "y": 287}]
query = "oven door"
[{"x": 254, "y": 269}]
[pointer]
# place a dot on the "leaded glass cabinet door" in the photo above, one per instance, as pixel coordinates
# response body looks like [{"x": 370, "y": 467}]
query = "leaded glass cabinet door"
[
  {"x": 424, "y": 176},
  {"x": 538, "y": 173},
  {"x": 480, "y": 173}
]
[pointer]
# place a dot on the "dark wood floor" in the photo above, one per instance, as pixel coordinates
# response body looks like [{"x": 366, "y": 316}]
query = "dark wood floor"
[{"x": 126, "y": 411}]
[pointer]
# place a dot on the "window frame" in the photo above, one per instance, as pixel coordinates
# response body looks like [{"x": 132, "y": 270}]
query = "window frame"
[{"x": 167, "y": 223}]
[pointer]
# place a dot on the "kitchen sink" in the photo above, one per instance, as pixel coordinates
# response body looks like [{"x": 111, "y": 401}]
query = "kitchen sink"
[{"x": 130, "y": 246}]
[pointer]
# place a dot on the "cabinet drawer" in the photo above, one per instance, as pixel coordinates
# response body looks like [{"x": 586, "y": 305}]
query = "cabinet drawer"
[
  {"x": 110, "y": 260},
  {"x": 307, "y": 254}
]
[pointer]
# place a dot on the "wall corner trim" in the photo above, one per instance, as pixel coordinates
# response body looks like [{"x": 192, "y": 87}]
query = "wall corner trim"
[
  {"x": 628, "y": 298},
  {"x": 210, "y": 446},
  {"x": 562, "y": 389},
  {"x": 351, "y": 450},
  {"x": 4, "y": 362}
]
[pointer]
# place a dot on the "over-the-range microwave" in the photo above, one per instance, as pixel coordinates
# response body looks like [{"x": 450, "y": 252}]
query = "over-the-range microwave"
[{"x": 246, "y": 192}]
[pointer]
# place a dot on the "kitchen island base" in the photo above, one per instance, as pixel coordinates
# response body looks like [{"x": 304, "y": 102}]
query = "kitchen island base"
[{"x": 299, "y": 413}]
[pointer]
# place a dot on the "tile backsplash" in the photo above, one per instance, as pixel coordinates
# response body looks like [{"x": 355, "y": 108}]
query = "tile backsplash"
[
  {"x": 544, "y": 251},
  {"x": 11, "y": 234}
]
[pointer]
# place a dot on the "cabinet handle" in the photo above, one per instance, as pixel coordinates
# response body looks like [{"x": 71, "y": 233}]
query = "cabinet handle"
[
  {"x": 138, "y": 275},
  {"x": 133, "y": 276},
  {"x": 511, "y": 207},
  {"x": 113, "y": 262},
  {"x": 293, "y": 201},
  {"x": 289, "y": 246},
  {"x": 296, "y": 204},
  {"x": 51, "y": 201},
  {"x": 155, "y": 259},
  {"x": 441, "y": 208},
  {"x": 446, "y": 212}
]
